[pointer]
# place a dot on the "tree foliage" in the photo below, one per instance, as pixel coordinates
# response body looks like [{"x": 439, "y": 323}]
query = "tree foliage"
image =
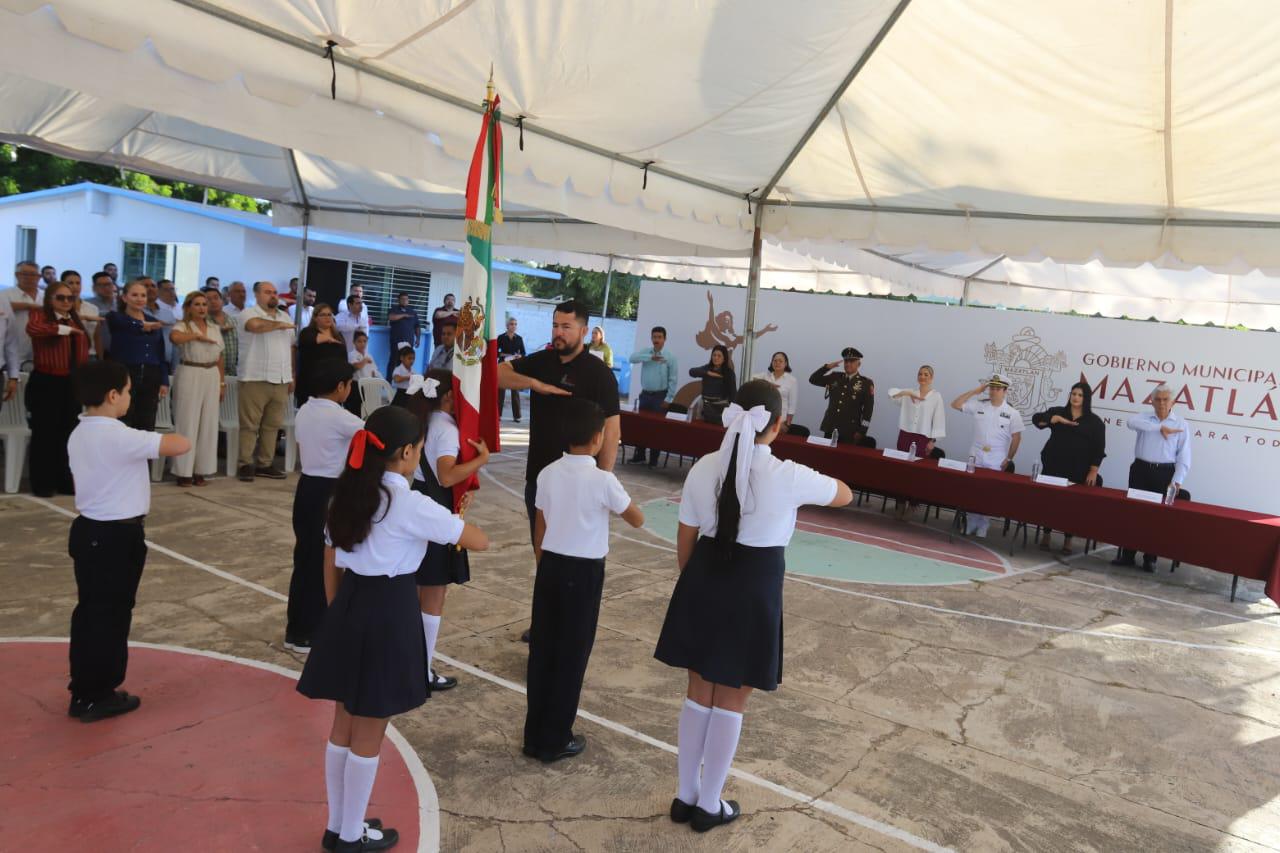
[
  {"x": 24, "y": 170},
  {"x": 586, "y": 286}
]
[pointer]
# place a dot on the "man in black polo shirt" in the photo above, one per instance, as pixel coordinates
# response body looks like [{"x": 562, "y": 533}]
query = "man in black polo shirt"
[{"x": 565, "y": 370}]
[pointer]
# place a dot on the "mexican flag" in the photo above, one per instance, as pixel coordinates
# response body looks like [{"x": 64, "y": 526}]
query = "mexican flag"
[{"x": 475, "y": 353}]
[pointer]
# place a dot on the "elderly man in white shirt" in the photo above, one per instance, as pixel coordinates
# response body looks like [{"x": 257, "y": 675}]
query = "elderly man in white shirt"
[
  {"x": 1162, "y": 458},
  {"x": 9, "y": 347},
  {"x": 26, "y": 295},
  {"x": 266, "y": 380}
]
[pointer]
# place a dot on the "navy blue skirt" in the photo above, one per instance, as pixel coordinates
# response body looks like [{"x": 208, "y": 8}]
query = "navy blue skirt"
[
  {"x": 724, "y": 621},
  {"x": 370, "y": 653},
  {"x": 443, "y": 564}
]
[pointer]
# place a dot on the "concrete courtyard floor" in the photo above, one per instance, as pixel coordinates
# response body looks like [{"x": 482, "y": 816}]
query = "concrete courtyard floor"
[{"x": 1060, "y": 705}]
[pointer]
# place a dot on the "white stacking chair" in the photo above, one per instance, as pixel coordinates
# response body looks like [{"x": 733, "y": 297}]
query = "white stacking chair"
[
  {"x": 229, "y": 423},
  {"x": 374, "y": 394},
  {"x": 164, "y": 423},
  {"x": 290, "y": 436},
  {"x": 15, "y": 433}
]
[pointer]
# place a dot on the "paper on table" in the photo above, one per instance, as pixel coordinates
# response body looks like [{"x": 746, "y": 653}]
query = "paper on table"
[
  {"x": 894, "y": 453},
  {"x": 1142, "y": 495},
  {"x": 953, "y": 465},
  {"x": 820, "y": 441},
  {"x": 678, "y": 416},
  {"x": 1048, "y": 480}
]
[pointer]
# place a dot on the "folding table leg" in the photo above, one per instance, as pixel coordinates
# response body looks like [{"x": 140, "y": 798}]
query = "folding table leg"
[{"x": 1235, "y": 580}]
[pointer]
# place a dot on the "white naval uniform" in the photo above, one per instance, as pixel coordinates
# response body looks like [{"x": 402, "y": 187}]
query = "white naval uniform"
[{"x": 993, "y": 430}]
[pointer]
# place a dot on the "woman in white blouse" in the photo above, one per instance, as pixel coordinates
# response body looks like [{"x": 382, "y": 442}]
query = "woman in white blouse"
[
  {"x": 921, "y": 421},
  {"x": 779, "y": 375},
  {"x": 199, "y": 386}
]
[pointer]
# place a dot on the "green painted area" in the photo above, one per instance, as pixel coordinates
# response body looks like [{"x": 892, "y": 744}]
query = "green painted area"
[{"x": 819, "y": 556}]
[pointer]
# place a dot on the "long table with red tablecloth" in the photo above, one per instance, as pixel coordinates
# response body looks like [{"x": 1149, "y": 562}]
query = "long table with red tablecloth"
[{"x": 1234, "y": 541}]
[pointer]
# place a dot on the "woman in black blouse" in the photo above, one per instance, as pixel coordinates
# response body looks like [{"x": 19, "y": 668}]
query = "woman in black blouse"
[
  {"x": 718, "y": 384},
  {"x": 1076, "y": 446},
  {"x": 317, "y": 342}
]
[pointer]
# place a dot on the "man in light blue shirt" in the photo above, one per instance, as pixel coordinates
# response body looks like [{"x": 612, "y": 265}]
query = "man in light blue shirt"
[
  {"x": 1162, "y": 458},
  {"x": 657, "y": 382}
]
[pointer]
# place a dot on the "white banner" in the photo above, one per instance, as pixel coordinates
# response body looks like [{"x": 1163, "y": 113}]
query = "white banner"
[{"x": 1224, "y": 381}]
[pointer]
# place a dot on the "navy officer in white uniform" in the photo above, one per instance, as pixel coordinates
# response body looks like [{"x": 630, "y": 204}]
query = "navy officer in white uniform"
[{"x": 997, "y": 432}]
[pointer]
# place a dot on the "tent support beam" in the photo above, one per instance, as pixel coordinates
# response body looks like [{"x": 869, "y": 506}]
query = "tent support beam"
[
  {"x": 301, "y": 189},
  {"x": 835, "y": 97},
  {"x": 476, "y": 107},
  {"x": 1158, "y": 222},
  {"x": 964, "y": 295},
  {"x": 753, "y": 296},
  {"x": 608, "y": 280}
]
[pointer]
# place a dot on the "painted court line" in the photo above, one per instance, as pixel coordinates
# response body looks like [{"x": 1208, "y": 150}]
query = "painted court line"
[
  {"x": 1242, "y": 649},
  {"x": 987, "y": 618},
  {"x": 428, "y": 801},
  {"x": 1269, "y": 620},
  {"x": 804, "y": 799}
]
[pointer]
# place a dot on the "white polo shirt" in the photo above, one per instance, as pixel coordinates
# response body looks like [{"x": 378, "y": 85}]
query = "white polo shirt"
[
  {"x": 778, "y": 490},
  {"x": 324, "y": 430},
  {"x": 576, "y": 498},
  {"x": 993, "y": 430},
  {"x": 397, "y": 542},
  {"x": 109, "y": 464},
  {"x": 442, "y": 440},
  {"x": 265, "y": 356}
]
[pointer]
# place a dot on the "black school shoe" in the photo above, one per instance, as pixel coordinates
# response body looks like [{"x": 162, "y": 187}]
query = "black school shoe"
[
  {"x": 330, "y": 840},
  {"x": 372, "y": 839},
  {"x": 245, "y": 474},
  {"x": 576, "y": 746},
  {"x": 680, "y": 810},
  {"x": 436, "y": 681},
  {"x": 703, "y": 821},
  {"x": 271, "y": 473},
  {"x": 114, "y": 705}
]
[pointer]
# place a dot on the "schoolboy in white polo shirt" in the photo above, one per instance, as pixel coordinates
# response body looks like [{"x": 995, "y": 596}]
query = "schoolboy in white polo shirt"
[
  {"x": 113, "y": 494},
  {"x": 570, "y": 541}
]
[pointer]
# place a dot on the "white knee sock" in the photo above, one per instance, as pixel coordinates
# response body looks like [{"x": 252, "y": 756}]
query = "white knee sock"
[
  {"x": 357, "y": 786},
  {"x": 335, "y": 764},
  {"x": 693, "y": 736},
  {"x": 717, "y": 755},
  {"x": 430, "y": 627}
]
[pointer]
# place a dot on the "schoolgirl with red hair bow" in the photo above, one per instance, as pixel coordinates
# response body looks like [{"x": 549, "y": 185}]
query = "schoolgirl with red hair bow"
[{"x": 369, "y": 654}]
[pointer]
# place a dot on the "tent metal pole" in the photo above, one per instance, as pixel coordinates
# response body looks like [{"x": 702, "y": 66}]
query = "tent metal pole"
[
  {"x": 753, "y": 295},
  {"x": 301, "y": 188},
  {"x": 964, "y": 295},
  {"x": 835, "y": 97},
  {"x": 608, "y": 279}
]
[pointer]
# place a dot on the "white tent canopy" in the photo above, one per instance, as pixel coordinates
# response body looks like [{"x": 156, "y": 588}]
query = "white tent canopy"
[{"x": 1070, "y": 129}]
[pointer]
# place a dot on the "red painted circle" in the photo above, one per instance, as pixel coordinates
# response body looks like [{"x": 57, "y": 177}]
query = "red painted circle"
[{"x": 220, "y": 756}]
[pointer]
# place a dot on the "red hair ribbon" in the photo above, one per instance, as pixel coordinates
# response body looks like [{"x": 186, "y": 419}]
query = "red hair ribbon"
[{"x": 355, "y": 456}]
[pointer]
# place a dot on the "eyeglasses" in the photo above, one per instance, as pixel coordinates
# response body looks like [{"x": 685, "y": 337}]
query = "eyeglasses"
[{"x": 64, "y": 297}]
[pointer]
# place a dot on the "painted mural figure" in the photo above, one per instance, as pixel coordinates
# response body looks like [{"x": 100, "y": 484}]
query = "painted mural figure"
[{"x": 719, "y": 329}]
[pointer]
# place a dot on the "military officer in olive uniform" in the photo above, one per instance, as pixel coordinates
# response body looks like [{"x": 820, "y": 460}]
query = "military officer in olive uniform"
[{"x": 851, "y": 398}]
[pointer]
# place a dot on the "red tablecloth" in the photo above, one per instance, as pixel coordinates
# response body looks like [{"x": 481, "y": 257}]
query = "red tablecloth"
[{"x": 1228, "y": 540}]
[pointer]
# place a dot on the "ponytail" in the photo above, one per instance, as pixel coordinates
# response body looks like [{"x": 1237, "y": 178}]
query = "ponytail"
[
  {"x": 728, "y": 510},
  {"x": 359, "y": 492},
  {"x": 758, "y": 408}
]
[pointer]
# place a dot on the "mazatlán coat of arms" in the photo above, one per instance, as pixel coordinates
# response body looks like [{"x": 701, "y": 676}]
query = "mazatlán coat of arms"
[
  {"x": 1030, "y": 369},
  {"x": 469, "y": 342}
]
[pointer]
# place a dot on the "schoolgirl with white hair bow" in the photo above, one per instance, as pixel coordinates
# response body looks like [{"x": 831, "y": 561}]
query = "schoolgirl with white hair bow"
[
  {"x": 430, "y": 397},
  {"x": 724, "y": 622}
]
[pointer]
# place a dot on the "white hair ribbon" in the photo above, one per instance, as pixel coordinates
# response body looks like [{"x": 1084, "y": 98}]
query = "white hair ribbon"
[
  {"x": 742, "y": 426},
  {"x": 418, "y": 383}
]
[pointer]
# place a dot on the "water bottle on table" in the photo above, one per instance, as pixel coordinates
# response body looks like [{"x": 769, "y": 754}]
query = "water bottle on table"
[
  {"x": 1035, "y": 472},
  {"x": 911, "y": 452},
  {"x": 835, "y": 437},
  {"x": 971, "y": 465},
  {"x": 1170, "y": 495}
]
